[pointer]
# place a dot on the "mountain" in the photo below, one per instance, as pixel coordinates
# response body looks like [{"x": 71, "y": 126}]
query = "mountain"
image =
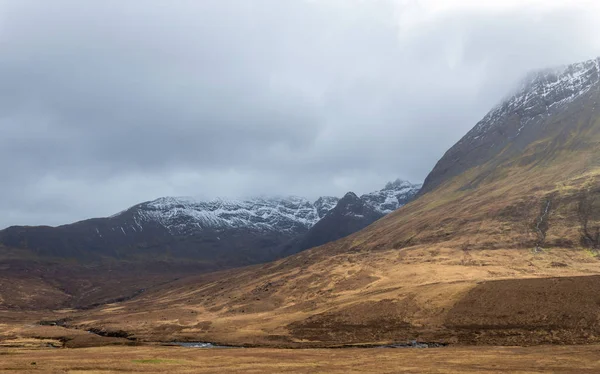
[
  {"x": 526, "y": 175},
  {"x": 214, "y": 234},
  {"x": 541, "y": 105},
  {"x": 211, "y": 234},
  {"x": 353, "y": 213},
  {"x": 502, "y": 247},
  {"x": 183, "y": 216}
]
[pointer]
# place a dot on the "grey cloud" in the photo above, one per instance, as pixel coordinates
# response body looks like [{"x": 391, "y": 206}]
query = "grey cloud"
[{"x": 107, "y": 103}]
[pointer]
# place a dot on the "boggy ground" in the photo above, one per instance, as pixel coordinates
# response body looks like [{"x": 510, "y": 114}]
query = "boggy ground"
[{"x": 156, "y": 359}]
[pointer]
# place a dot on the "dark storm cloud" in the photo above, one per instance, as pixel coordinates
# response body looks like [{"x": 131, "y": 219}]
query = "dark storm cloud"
[{"x": 107, "y": 103}]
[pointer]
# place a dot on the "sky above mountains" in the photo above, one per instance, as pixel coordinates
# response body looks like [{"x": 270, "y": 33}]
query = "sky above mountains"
[{"x": 107, "y": 103}]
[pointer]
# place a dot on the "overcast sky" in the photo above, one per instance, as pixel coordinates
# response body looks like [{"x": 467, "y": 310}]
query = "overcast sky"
[{"x": 104, "y": 104}]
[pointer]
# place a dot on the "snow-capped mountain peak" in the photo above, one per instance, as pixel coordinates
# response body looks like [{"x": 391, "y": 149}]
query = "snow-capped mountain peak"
[
  {"x": 180, "y": 214},
  {"x": 186, "y": 215},
  {"x": 521, "y": 118},
  {"x": 541, "y": 94}
]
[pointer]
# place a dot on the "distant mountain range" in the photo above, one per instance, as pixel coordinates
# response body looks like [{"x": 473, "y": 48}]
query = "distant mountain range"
[{"x": 214, "y": 234}]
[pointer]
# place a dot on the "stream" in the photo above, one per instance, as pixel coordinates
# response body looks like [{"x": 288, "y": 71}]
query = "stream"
[{"x": 412, "y": 344}]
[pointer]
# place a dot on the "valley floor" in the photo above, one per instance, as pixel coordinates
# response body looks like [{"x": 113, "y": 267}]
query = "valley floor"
[{"x": 159, "y": 359}]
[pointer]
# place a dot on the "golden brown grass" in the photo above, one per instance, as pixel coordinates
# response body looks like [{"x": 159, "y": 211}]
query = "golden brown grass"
[
  {"x": 417, "y": 286},
  {"x": 565, "y": 359}
]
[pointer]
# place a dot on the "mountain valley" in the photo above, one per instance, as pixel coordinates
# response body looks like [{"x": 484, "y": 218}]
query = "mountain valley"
[{"x": 500, "y": 247}]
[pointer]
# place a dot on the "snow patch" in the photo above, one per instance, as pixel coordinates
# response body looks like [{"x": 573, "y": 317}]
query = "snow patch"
[{"x": 392, "y": 197}]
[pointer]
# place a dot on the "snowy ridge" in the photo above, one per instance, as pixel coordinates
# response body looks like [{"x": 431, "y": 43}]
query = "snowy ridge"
[
  {"x": 181, "y": 214},
  {"x": 540, "y": 95},
  {"x": 393, "y": 196},
  {"x": 184, "y": 215}
]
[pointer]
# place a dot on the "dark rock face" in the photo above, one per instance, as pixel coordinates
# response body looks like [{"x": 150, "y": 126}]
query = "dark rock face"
[
  {"x": 521, "y": 119},
  {"x": 353, "y": 213},
  {"x": 350, "y": 215}
]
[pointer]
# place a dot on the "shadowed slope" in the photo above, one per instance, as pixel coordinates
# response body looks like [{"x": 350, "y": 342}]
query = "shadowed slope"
[
  {"x": 350, "y": 215},
  {"x": 353, "y": 213}
]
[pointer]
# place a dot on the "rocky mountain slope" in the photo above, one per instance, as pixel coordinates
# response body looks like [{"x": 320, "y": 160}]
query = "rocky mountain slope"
[
  {"x": 212, "y": 234},
  {"x": 521, "y": 119},
  {"x": 353, "y": 213},
  {"x": 502, "y": 247}
]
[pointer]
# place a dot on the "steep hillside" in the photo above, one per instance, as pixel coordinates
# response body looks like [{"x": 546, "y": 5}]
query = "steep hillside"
[
  {"x": 501, "y": 248},
  {"x": 529, "y": 186},
  {"x": 539, "y": 108}
]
